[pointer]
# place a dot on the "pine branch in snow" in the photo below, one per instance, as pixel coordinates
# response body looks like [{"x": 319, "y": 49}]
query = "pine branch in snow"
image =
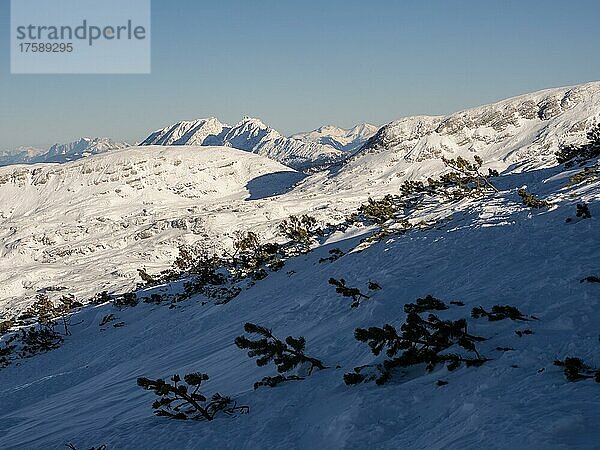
[
  {"x": 286, "y": 355},
  {"x": 185, "y": 401}
]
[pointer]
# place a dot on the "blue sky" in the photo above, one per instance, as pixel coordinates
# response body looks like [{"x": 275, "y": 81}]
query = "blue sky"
[{"x": 298, "y": 65}]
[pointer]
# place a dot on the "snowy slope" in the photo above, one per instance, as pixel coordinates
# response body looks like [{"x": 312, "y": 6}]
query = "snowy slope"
[
  {"x": 61, "y": 153},
  {"x": 250, "y": 135},
  {"x": 100, "y": 218},
  {"x": 88, "y": 225},
  {"x": 48, "y": 241},
  {"x": 39, "y": 223},
  {"x": 85, "y": 392},
  {"x": 346, "y": 140},
  {"x": 510, "y": 130},
  {"x": 521, "y": 133}
]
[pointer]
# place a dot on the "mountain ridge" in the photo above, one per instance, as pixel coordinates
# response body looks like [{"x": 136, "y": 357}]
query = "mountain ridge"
[
  {"x": 346, "y": 140},
  {"x": 249, "y": 134},
  {"x": 62, "y": 153}
]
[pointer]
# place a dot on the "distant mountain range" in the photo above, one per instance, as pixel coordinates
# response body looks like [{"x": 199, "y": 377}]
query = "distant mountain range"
[
  {"x": 509, "y": 130},
  {"x": 346, "y": 140},
  {"x": 61, "y": 153},
  {"x": 302, "y": 151}
]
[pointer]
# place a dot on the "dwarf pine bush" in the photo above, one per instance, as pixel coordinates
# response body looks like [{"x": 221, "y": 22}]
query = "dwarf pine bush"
[
  {"x": 470, "y": 172},
  {"x": 531, "y": 200},
  {"x": 185, "y": 401},
  {"x": 127, "y": 300},
  {"x": 301, "y": 231},
  {"x": 583, "y": 211},
  {"x": 429, "y": 303},
  {"x": 354, "y": 293},
  {"x": 39, "y": 339},
  {"x": 334, "y": 255},
  {"x": 380, "y": 211},
  {"x": 500, "y": 312},
  {"x": 420, "y": 341},
  {"x": 571, "y": 154},
  {"x": 575, "y": 370},
  {"x": 286, "y": 355}
]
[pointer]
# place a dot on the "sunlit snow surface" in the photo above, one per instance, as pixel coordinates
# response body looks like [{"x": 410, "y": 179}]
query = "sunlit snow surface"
[{"x": 88, "y": 225}]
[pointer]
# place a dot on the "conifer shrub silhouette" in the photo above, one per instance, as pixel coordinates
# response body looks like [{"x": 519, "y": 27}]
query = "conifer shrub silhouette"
[
  {"x": 420, "y": 341},
  {"x": 526, "y": 332},
  {"x": 155, "y": 298},
  {"x": 71, "y": 446},
  {"x": 37, "y": 333},
  {"x": 409, "y": 188},
  {"x": 591, "y": 279},
  {"x": 42, "y": 310},
  {"x": 345, "y": 291},
  {"x": 575, "y": 370},
  {"x": 583, "y": 211},
  {"x": 68, "y": 303},
  {"x": 301, "y": 231},
  {"x": 380, "y": 211},
  {"x": 276, "y": 380},
  {"x": 571, "y": 154},
  {"x": 46, "y": 314},
  {"x": 500, "y": 312},
  {"x": 334, "y": 255},
  {"x": 531, "y": 200},
  {"x": 38, "y": 339},
  {"x": 373, "y": 286},
  {"x": 194, "y": 260},
  {"x": 471, "y": 173},
  {"x": 148, "y": 280},
  {"x": 63, "y": 311},
  {"x": 6, "y": 325},
  {"x": 6, "y": 352},
  {"x": 185, "y": 401},
  {"x": 250, "y": 257},
  {"x": 587, "y": 175},
  {"x": 101, "y": 297},
  {"x": 429, "y": 303},
  {"x": 107, "y": 319},
  {"x": 285, "y": 355},
  {"x": 127, "y": 300}
]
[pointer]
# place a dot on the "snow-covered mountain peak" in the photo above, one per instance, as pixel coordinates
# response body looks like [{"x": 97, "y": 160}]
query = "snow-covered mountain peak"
[
  {"x": 251, "y": 135},
  {"x": 346, "y": 140},
  {"x": 187, "y": 132},
  {"x": 497, "y": 130},
  {"x": 253, "y": 122},
  {"x": 363, "y": 129}
]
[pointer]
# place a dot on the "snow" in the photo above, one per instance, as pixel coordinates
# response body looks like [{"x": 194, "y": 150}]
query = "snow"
[
  {"x": 85, "y": 391},
  {"x": 251, "y": 135},
  {"x": 346, "y": 140},
  {"x": 101, "y": 218},
  {"x": 61, "y": 153},
  {"x": 90, "y": 224},
  {"x": 193, "y": 132}
]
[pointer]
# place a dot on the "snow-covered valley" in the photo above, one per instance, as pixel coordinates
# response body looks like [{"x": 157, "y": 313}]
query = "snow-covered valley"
[{"x": 87, "y": 226}]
